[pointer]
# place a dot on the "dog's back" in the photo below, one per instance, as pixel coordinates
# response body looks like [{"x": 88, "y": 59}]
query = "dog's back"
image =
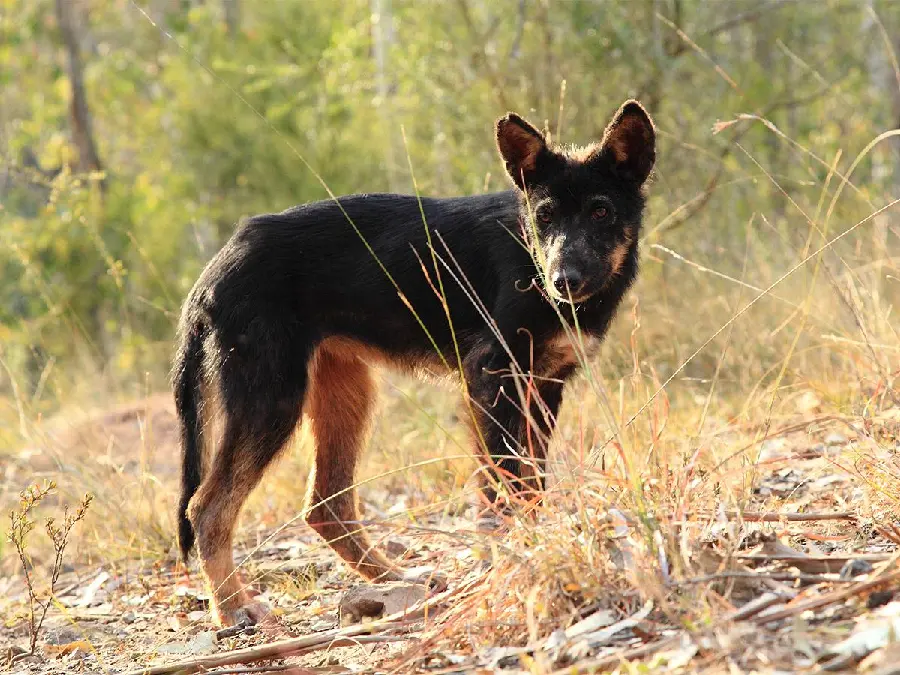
[{"x": 363, "y": 269}]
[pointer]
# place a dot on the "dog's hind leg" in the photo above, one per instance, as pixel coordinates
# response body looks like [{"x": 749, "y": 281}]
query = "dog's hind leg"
[
  {"x": 340, "y": 402},
  {"x": 262, "y": 400}
]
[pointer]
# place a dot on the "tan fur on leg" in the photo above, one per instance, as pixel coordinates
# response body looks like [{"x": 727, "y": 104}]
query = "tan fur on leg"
[{"x": 339, "y": 404}]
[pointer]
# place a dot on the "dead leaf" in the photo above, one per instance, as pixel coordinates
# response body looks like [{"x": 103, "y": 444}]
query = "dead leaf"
[
  {"x": 589, "y": 643},
  {"x": 594, "y": 622},
  {"x": 68, "y": 648}
]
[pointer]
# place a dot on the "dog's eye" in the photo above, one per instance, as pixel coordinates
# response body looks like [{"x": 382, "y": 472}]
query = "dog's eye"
[
  {"x": 600, "y": 213},
  {"x": 545, "y": 215}
]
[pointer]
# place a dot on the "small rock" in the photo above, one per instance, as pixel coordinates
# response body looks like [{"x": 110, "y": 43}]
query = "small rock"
[
  {"x": 321, "y": 625},
  {"x": 129, "y": 617},
  {"x": 10, "y": 653},
  {"x": 855, "y": 568},
  {"x": 396, "y": 549},
  {"x": 201, "y": 643},
  {"x": 382, "y": 599},
  {"x": 879, "y": 598},
  {"x": 835, "y": 438},
  {"x": 771, "y": 448},
  {"x": 176, "y": 622},
  {"x": 62, "y": 636},
  {"x": 28, "y": 659}
]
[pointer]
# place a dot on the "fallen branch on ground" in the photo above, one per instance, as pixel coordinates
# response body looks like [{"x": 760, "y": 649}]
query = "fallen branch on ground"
[
  {"x": 758, "y": 517},
  {"x": 603, "y": 663},
  {"x": 338, "y": 637},
  {"x": 790, "y": 517},
  {"x": 828, "y": 598},
  {"x": 774, "y": 576},
  {"x": 812, "y": 564}
]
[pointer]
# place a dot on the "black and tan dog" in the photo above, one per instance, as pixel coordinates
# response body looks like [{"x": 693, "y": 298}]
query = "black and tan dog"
[{"x": 291, "y": 314}]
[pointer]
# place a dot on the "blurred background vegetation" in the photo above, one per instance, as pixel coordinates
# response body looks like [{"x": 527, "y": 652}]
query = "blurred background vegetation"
[{"x": 134, "y": 135}]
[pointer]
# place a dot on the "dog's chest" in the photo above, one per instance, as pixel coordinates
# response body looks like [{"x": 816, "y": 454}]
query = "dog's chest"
[{"x": 565, "y": 350}]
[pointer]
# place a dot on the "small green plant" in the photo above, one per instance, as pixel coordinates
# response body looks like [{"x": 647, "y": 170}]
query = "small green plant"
[{"x": 21, "y": 525}]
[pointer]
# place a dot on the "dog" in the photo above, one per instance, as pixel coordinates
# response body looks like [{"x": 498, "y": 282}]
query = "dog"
[{"x": 292, "y": 313}]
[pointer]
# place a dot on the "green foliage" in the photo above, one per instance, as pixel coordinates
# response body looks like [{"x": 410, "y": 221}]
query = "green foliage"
[{"x": 201, "y": 129}]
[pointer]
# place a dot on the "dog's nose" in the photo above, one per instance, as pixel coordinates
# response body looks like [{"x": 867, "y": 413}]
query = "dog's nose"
[{"x": 567, "y": 282}]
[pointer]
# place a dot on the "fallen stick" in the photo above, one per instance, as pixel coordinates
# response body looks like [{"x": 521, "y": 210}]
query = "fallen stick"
[
  {"x": 828, "y": 598},
  {"x": 774, "y": 576},
  {"x": 791, "y": 517},
  {"x": 755, "y": 516},
  {"x": 606, "y": 662},
  {"x": 259, "y": 669},
  {"x": 337, "y": 637},
  {"x": 753, "y": 607},
  {"x": 813, "y": 564}
]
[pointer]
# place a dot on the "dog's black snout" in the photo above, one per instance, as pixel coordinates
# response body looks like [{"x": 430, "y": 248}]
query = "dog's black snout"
[{"x": 567, "y": 281}]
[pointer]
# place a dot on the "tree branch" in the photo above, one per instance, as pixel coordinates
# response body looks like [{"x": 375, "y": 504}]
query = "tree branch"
[
  {"x": 728, "y": 24},
  {"x": 699, "y": 203}
]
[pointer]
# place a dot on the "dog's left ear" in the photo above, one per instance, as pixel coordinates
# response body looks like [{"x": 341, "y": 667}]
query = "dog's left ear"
[
  {"x": 522, "y": 148},
  {"x": 630, "y": 142}
]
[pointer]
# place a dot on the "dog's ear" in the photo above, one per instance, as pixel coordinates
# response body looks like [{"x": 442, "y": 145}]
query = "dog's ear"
[
  {"x": 629, "y": 142},
  {"x": 522, "y": 148}
]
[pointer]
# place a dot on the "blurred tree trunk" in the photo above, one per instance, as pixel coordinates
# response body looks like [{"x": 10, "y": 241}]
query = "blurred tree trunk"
[
  {"x": 232, "y": 10},
  {"x": 79, "y": 112},
  {"x": 658, "y": 59},
  {"x": 884, "y": 82},
  {"x": 772, "y": 155},
  {"x": 383, "y": 39}
]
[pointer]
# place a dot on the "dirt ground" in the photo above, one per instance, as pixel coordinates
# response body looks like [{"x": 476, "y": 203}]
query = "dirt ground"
[{"x": 805, "y": 580}]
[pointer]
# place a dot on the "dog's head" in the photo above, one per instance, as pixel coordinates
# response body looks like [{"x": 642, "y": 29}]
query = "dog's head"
[{"x": 584, "y": 205}]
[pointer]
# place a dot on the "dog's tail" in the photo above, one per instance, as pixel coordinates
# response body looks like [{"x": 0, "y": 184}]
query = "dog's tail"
[{"x": 186, "y": 375}]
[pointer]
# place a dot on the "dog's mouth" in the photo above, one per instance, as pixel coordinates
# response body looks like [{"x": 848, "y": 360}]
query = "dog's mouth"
[{"x": 574, "y": 298}]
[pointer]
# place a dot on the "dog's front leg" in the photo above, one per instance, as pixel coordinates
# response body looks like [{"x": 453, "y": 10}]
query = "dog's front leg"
[{"x": 512, "y": 415}]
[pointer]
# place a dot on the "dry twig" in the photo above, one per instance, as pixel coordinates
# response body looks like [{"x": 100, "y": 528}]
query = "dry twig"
[
  {"x": 829, "y": 598},
  {"x": 338, "y": 637}
]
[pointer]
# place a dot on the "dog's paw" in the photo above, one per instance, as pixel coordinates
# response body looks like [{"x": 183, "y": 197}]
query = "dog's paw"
[
  {"x": 427, "y": 576},
  {"x": 250, "y": 613}
]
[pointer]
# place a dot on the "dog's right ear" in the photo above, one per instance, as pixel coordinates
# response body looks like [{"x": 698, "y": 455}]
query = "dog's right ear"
[{"x": 522, "y": 148}]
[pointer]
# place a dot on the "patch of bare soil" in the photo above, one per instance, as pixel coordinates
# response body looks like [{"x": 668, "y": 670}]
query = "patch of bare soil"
[
  {"x": 122, "y": 431},
  {"x": 801, "y": 580}
]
